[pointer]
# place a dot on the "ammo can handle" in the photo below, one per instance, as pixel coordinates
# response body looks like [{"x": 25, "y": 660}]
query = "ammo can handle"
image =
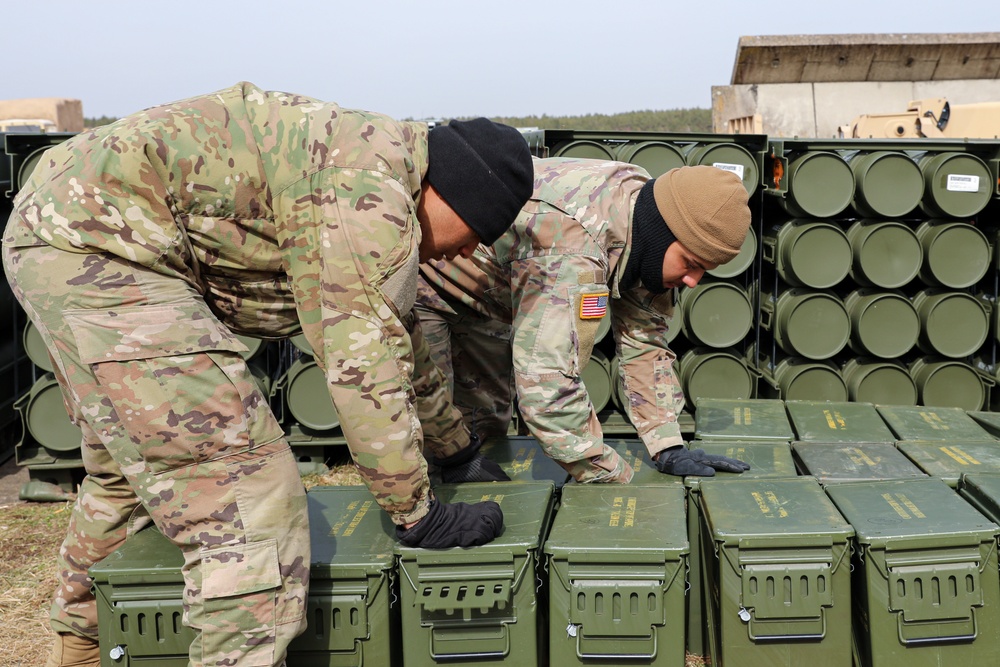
[
  {"x": 471, "y": 656},
  {"x": 615, "y": 656},
  {"x": 937, "y": 640},
  {"x": 819, "y": 635}
]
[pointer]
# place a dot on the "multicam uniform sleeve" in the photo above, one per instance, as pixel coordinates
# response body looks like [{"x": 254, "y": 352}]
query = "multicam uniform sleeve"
[
  {"x": 549, "y": 351},
  {"x": 351, "y": 237},
  {"x": 646, "y": 366}
]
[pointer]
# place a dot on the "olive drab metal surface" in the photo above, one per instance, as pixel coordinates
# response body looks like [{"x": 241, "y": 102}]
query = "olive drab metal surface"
[
  {"x": 800, "y": 379},
  {"x": 777, "y": 571},
  {"x": 307, "y": 396},
  {"x": 925, "y": 570},
  {"x": 881, "y": 381},
  {"x": 952, "y": 324},
  {"x": 836, "y": 463},
  {"x": 470, "y": 606},
  {"x": 742, "y": 262},
  {"x": 884, "y": 253},
  {"x": 35, "y": 348},
  {"x": 596, "y": 376},
  {"x": 808, "y": 253},
  {"x": 884, "y": 324},
  {"x": 703, "y": 306},
  {"x": 656, "y": 157},
  {"x": 819, "y": 184},
  {"x": 949, "y": 460},
  {"x": 522, "y": 458},
  {"x": 44, "y": 416},
  {"x": 351, "y": 617},
  {"x": 809, "y": 323},
  {"x": 956, "y": 185},
  {"x": 726, "y": 419},
  {"x": 930, "y": 423},
  {"x": 945, "y": 382},
  {"x": 766, "y": 459},
  {"x": 956, "y": 253},
  {"x": 616, "y": 561},
  {"x": 821, "y": 421},
  {"x": 583, "y": 148},
  {"x": 709, "y": 373},
  {"x": 888, "y": 184},
  {"x": 728, "y": 156}
]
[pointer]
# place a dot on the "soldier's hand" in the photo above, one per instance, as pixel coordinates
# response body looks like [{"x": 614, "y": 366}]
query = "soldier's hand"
[
  {"x": 681, "y": 461},
  {"x": 454, "y": 525},
  {"x": 469, "y": 465}
]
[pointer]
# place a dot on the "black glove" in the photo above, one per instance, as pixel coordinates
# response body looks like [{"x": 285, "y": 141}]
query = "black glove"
[
  {"x": 469, "y": 465},
  {"x": 681, "y": 461},
  {"x": 454, "y": 525}
]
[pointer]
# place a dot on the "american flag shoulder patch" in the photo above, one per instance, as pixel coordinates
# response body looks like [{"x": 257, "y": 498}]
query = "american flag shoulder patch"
[{"x": 593, "y": 306}]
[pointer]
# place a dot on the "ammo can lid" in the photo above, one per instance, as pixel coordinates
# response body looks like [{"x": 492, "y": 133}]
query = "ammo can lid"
[
  {"x": 923, "y": 511},
  {"x": 915, "y": 422},
  {"x": 523, "y": 459},
  {"x": 615, "y": 523},
  {"x": 823, "y": 421},
  {"x": 308, "y": 396},
  {"x": 701, "y": 307},
  {"x": 791, "y": 509},
  {"x": 46, "y": 418},
  {"x": 766, "y": 459},
  {"x": 840, "y": 462},
  {"x": 526, "y": 506},
  {"x": 741, "y": 419},
  {"x": 147, "y": 557},
  {"x": 952, "y": 459},
  {"x": 886, "y": 254},
  {"x": 983, "y": 491},
  {"x": 990, "y": 421},
  {"x": 348, "y": 531},
  {"x": 634, "y": 451}
]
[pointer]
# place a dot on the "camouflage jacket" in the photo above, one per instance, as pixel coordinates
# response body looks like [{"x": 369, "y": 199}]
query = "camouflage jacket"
[
  {"x": 280, "y": 210},
  {"x": 547, "y": 276}
]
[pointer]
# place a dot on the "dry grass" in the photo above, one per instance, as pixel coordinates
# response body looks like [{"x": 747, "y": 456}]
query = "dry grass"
[{"x": 30, "y": 535}]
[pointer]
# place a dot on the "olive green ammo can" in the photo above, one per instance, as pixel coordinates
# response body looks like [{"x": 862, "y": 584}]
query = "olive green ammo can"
[
  {"x": 351, "y": 621},
  {"x": 821, "y": 421},
  {"x": 707, "y": 373},
  {"x": 617, "y": 562},
  {"x": 306, "y": 396},
  {"x": 884, "y": 324},
  {"x": 950, "y": 460},
  {"x": 777, "y": 572},
  {"x": 522, "y": 458},
  {"x": 480, "y": 605},
  {"x": 807, "y": 323},
  {"x": 945, "y": 382},
  {"x": 716, "y": 314},
  {"x": 956, "y": 253},
  {"x": 728, "y": 157},
  {"x": 727, "y": 419},
  {"x": 932, "y": 424},
  {"x": 925, "y": 568},
  {"x": 799, "y": 379},
  {"x": 766, "y": 459},
  {"x": 836, "y": 463},
  {"x": 596, "y": 376},
  {"x": 957, "y": 185}
]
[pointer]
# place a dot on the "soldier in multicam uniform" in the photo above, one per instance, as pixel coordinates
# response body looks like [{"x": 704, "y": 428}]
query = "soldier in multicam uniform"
[
  {"x": 139, "y": 248},
  {"x": 596, "y": 236}
]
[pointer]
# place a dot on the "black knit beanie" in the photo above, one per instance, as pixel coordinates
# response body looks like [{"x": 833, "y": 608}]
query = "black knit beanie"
[
  {"x": 483, "y": 170},
  {"x": 650, "y": 239}
]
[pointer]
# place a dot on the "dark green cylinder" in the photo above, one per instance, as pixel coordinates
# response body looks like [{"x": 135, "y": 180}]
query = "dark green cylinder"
[
  {"x": 808, "y": 253},
  {"x": 884, "y": 253},
  {"x": 879, "y": 381},
  {"x": 656, "y": 157},
  {"x": 947, "y": 383},
  {"x": 956, "y": 254}
]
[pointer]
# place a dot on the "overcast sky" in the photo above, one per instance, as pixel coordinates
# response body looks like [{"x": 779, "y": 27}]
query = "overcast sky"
[{"x": 431, "y": 59}]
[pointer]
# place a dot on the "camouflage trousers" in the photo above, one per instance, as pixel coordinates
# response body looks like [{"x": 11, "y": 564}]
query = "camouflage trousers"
[
  {"x": 176, "y": 429},
  {"x": 475, "y": 354}
]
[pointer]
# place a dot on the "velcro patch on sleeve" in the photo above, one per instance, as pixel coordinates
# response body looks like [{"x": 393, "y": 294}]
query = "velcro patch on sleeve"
[{"x": 593, "y": 306}]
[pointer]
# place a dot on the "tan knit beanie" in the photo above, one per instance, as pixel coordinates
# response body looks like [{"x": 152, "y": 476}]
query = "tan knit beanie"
[{"x": 706, "y": 209}]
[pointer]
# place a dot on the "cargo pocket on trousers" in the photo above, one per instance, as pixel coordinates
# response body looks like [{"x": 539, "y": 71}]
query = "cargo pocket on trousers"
[{"x": 239, "y": 587}]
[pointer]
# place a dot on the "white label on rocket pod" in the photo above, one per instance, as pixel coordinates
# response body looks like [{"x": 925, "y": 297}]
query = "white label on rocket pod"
[
  {"x": 726, "y": 166},
  {"x": 962, "y": 183}
]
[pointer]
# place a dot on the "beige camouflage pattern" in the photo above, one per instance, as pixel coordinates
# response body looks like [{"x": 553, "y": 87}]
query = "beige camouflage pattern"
[
  {"x": 571, "y": 238},
  {"x": 139, "y": 248}
]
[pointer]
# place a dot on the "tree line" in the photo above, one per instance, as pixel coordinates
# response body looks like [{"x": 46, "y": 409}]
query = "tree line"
[{"x": 672, "y": 120}]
